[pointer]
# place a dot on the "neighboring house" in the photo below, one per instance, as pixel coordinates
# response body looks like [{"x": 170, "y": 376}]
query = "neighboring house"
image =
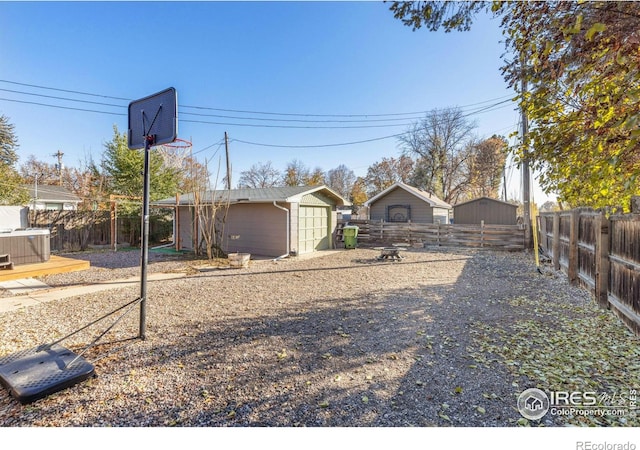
[
  {"x": 403, "y": 203},
  {"x": 52, "y": 198},
  {"x": 489, "y": 210},
  {"x": 269, "y": 222}
]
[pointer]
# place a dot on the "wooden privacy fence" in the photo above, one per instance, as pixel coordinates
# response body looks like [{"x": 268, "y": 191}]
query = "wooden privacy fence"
[
  {"x": 506, "y": 237},
  {"x": 78, "y": 230},
  {"x": 599, "y": 253}
]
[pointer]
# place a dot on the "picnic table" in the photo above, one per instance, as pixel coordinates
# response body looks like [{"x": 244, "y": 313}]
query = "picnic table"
[{"x": 390, "y": 253}]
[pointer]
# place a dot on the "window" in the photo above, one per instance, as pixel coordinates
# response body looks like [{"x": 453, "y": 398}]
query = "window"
[{"x": 398, "y": 213}]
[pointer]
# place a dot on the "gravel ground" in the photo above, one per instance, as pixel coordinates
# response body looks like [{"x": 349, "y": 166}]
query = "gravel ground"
[{"x": 340, "y": 339}]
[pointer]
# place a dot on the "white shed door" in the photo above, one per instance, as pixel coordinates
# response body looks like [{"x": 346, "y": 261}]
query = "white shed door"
[{"x": 314, "y": 229}]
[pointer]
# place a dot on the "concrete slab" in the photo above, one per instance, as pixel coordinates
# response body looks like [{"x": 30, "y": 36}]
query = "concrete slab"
[
  {"x": 23, "y": 286},
  {"x": 35, "y": 298}
]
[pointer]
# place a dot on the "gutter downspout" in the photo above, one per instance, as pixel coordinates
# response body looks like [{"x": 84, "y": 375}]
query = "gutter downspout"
[{"x": 288, "y": 232}]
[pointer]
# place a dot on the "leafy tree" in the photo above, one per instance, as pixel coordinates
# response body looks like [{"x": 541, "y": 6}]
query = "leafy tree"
[
  {"x": 438, "y": 14},
  {"x": 296, "y": 174},
  {"x": 581, "y": 66},
  {"x": 315, "y": 177},
  {"x": 358, "y": 194},
  {"x": 11, "y": 190},
  {"x": 125, "y": 167},
  {"x": 341, "y": 180},
  {"x": 486, "y": 166},
  {"x": 388, "y": 171},
  {"x": 8, "y": 142},
  {"x": 260, "y": 175},
  {"x": 442, "y": 143}
]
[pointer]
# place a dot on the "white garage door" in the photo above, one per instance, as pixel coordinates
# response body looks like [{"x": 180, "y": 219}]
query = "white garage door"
[{"x": 314, "y": 229}]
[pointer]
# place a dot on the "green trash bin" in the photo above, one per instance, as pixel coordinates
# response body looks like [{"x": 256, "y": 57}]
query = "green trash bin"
[{"x": 350, "y": 234}]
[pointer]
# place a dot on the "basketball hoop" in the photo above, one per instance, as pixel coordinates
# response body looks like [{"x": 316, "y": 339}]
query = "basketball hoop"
[
  {"x": 177, "y": 144},
  {"x": 174, "y": 153}
]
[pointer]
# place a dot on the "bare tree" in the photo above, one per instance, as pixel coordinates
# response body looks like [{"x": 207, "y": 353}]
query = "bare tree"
[
  {"x": 441, "y": 142},
  {"x": 210, "y": 208},
  {"x": 260, "y": 175},
  {"x": 341, "y": 180}
]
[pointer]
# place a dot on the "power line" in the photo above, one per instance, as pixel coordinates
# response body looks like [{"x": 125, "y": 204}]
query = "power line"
[
  {"x": 60, "y": 98},
  {"x": 65, "y": 90},
  {"x": 491, "y": 107},
  {"x": 319, "y": 145},
  {"x": 504, "y": 99},
  {"x": 62, "y": 107}
]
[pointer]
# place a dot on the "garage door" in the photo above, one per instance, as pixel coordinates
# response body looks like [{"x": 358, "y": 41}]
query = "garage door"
[{"x": 314, "y": 229}]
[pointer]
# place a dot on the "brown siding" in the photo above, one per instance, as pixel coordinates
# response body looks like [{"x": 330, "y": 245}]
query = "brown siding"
[
  {"x": 493, "y": 212},
  {"x": 420, "y": 211},
  {"x": 261, "y": 229}
]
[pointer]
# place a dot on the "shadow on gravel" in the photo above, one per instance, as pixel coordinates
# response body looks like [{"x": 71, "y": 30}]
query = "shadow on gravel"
[{"x": 392, "y": 357}]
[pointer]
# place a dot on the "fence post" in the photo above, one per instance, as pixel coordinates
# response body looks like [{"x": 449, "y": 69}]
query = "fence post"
[
  {"x": 555, "y": 245},
  {"x": 438, "y": 235},
  {"x": 572, "y": 270},
  {"x": 602, "y": 261},
  {"x": 482, "y": 234}
]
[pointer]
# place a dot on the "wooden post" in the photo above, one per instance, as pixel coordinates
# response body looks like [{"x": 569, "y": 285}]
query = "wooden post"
[
  {"x": 113, "y": 222},
  {"x": 602, "y": 261},
  {"x": 481, "y": 233},
  {"x": 572, "y": 270},
  {"x": 555, "y": 245},
  {"x": 635, "y": 204},
  {"x": 176, "y": 238}
]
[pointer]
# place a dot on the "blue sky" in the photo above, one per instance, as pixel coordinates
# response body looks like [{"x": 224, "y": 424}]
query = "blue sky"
[{"x": 338, "y": 70}]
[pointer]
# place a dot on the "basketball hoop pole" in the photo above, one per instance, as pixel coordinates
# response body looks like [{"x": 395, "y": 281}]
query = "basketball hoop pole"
[{"x": 148, "y": 142}]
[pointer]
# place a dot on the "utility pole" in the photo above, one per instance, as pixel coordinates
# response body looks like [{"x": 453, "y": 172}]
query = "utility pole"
[
  {"x": 226, "y": 147},
  {"x": 526, "y": 176},
  {"x": 59, "y": 155},
  {"x": 35, "y": 199}
]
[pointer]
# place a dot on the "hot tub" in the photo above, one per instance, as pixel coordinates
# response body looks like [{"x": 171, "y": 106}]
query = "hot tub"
[{"x": 27, "y": 246}]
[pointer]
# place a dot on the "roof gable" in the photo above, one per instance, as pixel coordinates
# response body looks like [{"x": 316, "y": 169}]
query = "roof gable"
[
  {"x": 495, "y": 200},
  {"x": 425, "y": 196}
]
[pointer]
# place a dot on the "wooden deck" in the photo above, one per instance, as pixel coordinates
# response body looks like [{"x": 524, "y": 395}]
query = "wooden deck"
[{"x": 56, "y": 264}]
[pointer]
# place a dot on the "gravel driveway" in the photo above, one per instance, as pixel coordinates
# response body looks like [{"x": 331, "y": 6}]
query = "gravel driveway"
[{"x": 341, "y": 339}]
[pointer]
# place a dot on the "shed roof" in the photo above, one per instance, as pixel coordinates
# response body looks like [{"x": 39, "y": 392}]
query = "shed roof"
[
  {"x": 486, "y": 198},
  {"x": 50, "y": 193},
  {"x": 285, "y": 194},
  {"x": 425, "y": 196}
]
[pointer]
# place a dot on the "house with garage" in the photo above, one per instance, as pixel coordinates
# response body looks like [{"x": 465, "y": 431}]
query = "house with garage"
[
  {"x": 272, "y": 222},
  {"x": 491, "y": 211},
  {"x": 403, "y": 203}
]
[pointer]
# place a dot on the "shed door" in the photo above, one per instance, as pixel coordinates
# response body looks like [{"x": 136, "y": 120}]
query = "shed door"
[{"x": 314, "y": 229}]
